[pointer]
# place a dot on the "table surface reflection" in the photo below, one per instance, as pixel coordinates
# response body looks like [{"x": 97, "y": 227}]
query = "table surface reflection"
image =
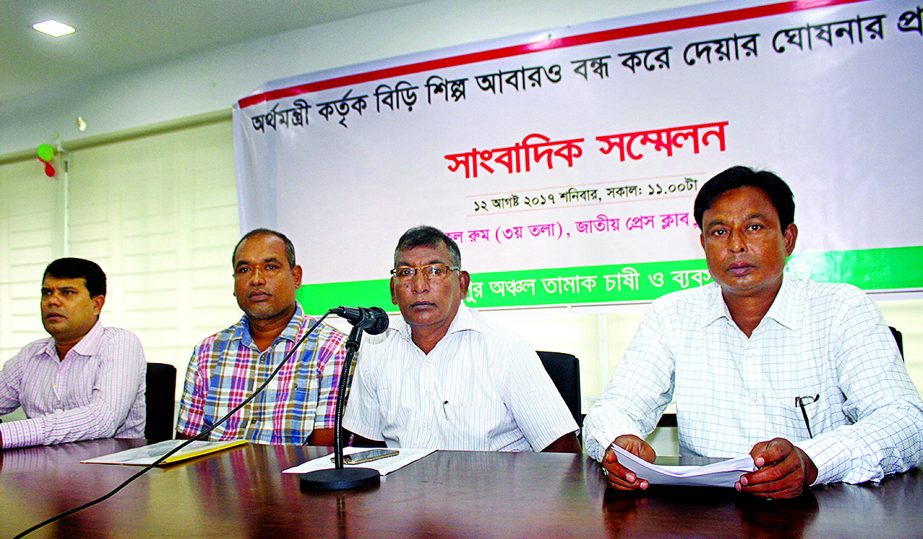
[{"x": 243, "y": 493}]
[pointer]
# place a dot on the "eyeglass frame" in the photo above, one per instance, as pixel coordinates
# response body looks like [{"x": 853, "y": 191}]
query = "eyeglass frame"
[
  {"x": 417, "y": 269},
  {"x": 801, "y": 402}
]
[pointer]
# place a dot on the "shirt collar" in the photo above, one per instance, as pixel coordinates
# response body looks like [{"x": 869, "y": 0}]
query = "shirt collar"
[
  {"x": 780, "y": 311},
  {"x": 716, "y": 308},
  {"x": 87, "y": 346},
  {"x": 290, "y": 333},
  {"x": 464, "y": 321}
]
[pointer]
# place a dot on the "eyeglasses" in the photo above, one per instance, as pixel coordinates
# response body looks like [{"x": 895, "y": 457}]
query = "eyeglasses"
[
  {"x": 432, "y": 272},
  {"x": 801, "y": 402}
]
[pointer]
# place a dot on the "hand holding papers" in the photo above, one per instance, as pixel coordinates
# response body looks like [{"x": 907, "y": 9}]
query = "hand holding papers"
[{"x": 720, "y": 474}]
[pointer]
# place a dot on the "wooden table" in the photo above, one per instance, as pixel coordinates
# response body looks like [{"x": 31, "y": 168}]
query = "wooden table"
[{"x": 242, "y": 493}]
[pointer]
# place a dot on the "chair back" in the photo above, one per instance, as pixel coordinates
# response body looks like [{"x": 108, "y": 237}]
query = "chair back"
[
  {"x": 899, "y": 339},
  {"x": 564, "y": 370},
  {"x": 160, "y": 397}
]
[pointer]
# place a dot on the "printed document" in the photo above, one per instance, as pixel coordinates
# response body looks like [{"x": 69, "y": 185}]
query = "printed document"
[
  {"x": 384, "y": 466},
  {"x": 148, "y": 454},
  {"x": 720, "y": 474}
]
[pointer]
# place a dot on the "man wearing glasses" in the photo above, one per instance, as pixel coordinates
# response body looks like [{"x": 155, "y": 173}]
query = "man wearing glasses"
[{"x": 446, "y": 378}]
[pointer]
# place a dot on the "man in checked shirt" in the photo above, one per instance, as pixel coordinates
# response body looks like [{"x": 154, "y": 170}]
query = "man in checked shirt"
[
  {"x": 803, "y": 376},
  {"x": 298, "y": 406}
]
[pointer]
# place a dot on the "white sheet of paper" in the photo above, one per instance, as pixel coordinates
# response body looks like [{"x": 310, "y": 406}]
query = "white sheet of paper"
[
  {"x": 384, "y": 466},
  {"x": 719, "y": 474}
]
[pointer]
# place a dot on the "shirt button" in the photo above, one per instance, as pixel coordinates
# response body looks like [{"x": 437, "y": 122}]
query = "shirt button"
[
  {"x": 253, "y": 421},
  {"x": 753, "y": 400}
]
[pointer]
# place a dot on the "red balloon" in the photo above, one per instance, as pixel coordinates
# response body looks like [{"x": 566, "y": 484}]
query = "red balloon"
[{"x": 49, "y": 170}]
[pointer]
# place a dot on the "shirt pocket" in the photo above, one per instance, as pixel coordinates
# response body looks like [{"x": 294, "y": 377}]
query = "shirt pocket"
[
  {"x": 301, "y": 410},
  {"x": 473, "y": 425},
  {"x": 786, "y": 418}
]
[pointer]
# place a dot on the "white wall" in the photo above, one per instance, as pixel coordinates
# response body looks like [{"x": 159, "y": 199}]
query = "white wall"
[{"x": 157, "y": 212}]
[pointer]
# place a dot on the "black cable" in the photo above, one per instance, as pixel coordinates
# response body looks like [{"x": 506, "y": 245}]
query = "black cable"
[{"x": 201, "y": 436}]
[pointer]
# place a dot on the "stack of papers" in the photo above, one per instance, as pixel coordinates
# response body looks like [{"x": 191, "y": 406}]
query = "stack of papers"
[
  {"x": 720, "y": 474},
  {"x": 384, "y": 466},
  {"x": 148, "y": 454}
]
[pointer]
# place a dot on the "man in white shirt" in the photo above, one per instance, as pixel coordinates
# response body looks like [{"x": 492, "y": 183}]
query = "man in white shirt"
[
  {"x": 446, "y": 378},
  {"x": 805, "y": 376}
]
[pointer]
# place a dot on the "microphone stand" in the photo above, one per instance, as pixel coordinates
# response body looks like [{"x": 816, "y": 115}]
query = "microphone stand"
[{"x": 340, "y": 477}]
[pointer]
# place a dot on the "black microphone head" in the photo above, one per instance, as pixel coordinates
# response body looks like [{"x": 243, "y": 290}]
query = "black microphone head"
[
  {"x": 378, "y": 321},
  {"x": 372, "y": 320}
]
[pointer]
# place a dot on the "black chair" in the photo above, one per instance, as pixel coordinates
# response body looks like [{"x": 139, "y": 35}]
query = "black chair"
[
  {"x": 160, "y": 397},
  {"x": 564, "y": 370},
  {"x": 899, "y": 339}
]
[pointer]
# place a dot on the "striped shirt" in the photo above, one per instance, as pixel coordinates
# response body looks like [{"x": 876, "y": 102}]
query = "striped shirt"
[
  {"x": 96, "y": 391},
  {"x": 479, "y": 389},
  {"x": 826, "y": 340},
  {"x": 227, "y": 367}
]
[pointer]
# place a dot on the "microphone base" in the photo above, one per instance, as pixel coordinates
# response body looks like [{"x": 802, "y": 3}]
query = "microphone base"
[{"x": 342, "y": 479}]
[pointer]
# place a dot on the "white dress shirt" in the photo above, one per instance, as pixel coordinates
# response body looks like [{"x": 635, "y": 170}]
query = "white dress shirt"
[
  {"x": 479, "y": 389},
  {"x": 732, "y": 391}
]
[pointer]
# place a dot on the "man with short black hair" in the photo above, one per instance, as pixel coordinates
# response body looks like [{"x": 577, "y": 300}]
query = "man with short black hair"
[
  {"x": 298, "y": 407},
  {"x": 446, "y": 378},
  {"x": 804, "y": 376},
  {"x": 84, "y": 382}
]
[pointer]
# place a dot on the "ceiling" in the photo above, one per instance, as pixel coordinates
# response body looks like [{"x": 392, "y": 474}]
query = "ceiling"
[{"x": 114, "y": 36}]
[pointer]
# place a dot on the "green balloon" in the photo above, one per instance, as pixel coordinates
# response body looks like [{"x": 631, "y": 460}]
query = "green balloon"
[{"x": 45, "y": 152}]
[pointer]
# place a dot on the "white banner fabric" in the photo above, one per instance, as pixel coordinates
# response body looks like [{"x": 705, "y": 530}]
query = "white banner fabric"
[{"x": 585, "y": 146}]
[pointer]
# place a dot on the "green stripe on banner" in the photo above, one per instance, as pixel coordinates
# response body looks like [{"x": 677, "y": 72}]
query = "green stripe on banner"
[{"x": 869, "y": 269}]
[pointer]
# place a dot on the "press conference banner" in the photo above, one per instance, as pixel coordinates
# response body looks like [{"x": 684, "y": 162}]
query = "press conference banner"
[{"x": 565, "y": 163}]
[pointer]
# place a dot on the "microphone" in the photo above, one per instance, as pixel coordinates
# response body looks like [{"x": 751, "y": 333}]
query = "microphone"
[{"x": 373, "y": 320}]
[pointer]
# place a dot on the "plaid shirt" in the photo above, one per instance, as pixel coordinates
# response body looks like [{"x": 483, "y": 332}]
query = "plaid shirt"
[{"x": 227, "y": 367}]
